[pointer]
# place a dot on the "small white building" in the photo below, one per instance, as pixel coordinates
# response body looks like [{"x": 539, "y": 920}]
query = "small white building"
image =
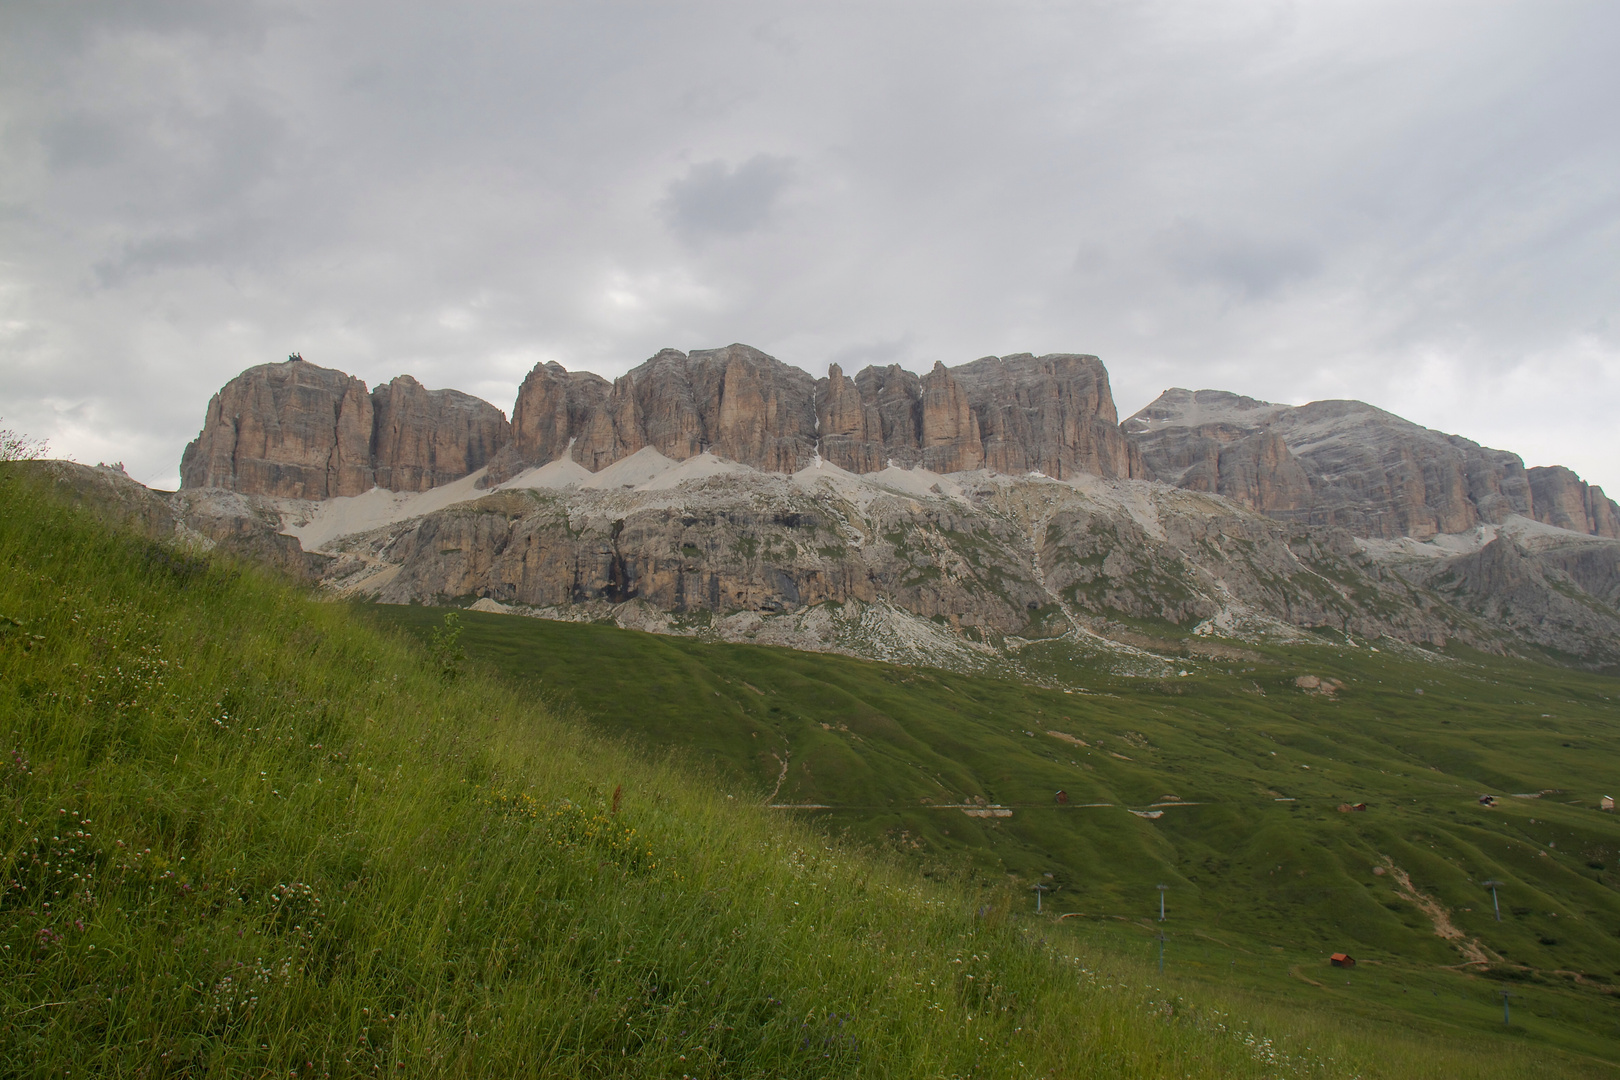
[{"x": 1606, "y": 803}]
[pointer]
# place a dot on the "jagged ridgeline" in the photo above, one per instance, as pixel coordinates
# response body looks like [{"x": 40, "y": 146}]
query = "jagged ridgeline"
[
  {"x": 295, "y": 429},
  {"x": 945, "y": 519},
  {"x": 298, "y": 430},
  {"x": 246, "y": 835}
]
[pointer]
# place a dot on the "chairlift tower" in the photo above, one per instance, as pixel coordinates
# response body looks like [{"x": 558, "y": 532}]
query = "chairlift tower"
[
  {"x": 1492, "y": 884},
  {"x": 1162, "y": 889}
]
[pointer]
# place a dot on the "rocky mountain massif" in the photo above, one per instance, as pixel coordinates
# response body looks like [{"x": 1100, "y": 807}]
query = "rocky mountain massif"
[
  {"x": 1348, "y": 464},
  {"x": 301, "y": 431},
  {"x": 952, "y": 518}
]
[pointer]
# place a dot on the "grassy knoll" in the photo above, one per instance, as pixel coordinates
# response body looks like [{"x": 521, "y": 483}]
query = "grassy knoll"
[{"x": 1266, "y": 876}]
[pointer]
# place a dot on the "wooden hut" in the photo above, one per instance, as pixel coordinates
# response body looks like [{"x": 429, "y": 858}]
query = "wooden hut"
[{"x": 1344, "y": 960}]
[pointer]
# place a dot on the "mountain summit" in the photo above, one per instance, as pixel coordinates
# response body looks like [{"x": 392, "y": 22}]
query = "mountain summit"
[{"x": 1349, "y": 464}]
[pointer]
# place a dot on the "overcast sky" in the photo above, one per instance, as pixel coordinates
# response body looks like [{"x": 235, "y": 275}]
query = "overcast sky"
[{"x": 1415, "y": 204}]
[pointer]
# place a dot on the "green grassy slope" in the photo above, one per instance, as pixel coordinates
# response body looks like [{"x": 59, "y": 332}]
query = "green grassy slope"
[
  {"x": 245, "y": 834},
  {"x": 1260, "y": 889}
]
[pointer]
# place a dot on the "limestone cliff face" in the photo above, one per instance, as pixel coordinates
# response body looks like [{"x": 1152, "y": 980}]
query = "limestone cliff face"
[
  {"x": 958, "y": 570},
  {"x": 1015, "y": 414},
  {"x": 1014, "y": 555},
  {"x": 1051, "y": 414},
  {"x": 850, "y": 425},
  {"x": 1565, "y": 500},
  {"x": 950, "y": 431},
  {"x": 982, "y": 558},
  {"x": 1559, "y": 594},
  {"x": 424, "y": 438},
  {"x": 295, "y": 430},
  {"x": 1336, "y": 463},
  {"x": 891, "y": 400},
  {"x": 301, "y": 431},
  {"x": 552, "y": 410},
  {"x": 290, "y": 429},
  {"x": 736, "y": 402}
]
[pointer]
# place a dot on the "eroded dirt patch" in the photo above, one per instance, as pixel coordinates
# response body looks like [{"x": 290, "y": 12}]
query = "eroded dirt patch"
[{"x": 1473, "y": 952}]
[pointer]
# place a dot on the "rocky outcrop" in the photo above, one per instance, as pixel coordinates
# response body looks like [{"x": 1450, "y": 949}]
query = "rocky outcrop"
[
  {"x": 1562, "y": 595},
  {"x": 889, "y": 431},
  {"x": 1563, "y": 499},
  {"x": 296, "y": 430},
  {"x": 300, "y": 431},
  {"x": 735, "y": 402},
  {"x": 552, "y": 409},
  {"x": 1334, "y": 463},
  {"x": 849, "y": 422},
  {"x": 989, "y": 560},
  {"x": 1016, "y": 414},
  {"x": 1011, "y": 556},
  {"x": 289, "y": 429},
  {"x": 1052, "y": 414},
  {"x": 423, "y": 438},
  {"x": 941, "y": 568}
]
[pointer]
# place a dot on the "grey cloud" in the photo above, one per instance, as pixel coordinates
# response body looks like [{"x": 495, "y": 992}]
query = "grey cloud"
[
  {"x": 81, "y": 141},
  {"x": 714, "y": 198},
  {"x": 223, "y": 246},
  {"x": 878, "y": 353},
  {"x": 1239, "y": 261},
  {"x": 1411, "y": 204}
]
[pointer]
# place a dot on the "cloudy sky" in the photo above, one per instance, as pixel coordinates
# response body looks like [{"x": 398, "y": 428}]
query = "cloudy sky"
[{"x": 1414, "y": 203}]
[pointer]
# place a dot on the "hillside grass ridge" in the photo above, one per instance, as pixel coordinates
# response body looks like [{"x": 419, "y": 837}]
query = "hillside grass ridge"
[{"x": 247, "y": 834}]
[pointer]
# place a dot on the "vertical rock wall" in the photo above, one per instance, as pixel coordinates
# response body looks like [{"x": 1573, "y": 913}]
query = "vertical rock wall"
[
  {"x": 306, "y": 432},
  {"x": 423, "y": 438},
  {"x": 1049, "y": 414},
  {"x": 291, "y": 429},
  {"x": 1565, "y": 500}
]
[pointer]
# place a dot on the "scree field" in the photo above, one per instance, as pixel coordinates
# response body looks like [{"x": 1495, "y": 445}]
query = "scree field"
[{"x": 1233, "y": 786}]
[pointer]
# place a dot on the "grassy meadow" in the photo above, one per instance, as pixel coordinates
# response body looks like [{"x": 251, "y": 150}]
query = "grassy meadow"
[
  {"x": 1246, "y": 770},
  {"x": 246, "y": 834}
]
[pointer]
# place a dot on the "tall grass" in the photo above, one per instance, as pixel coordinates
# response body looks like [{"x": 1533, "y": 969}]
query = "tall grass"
[{"x": 246, "y": 835}]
